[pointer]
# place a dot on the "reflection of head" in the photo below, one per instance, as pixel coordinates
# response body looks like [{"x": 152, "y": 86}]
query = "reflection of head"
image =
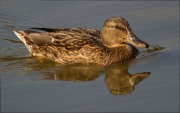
[
  {"x": 123, "y": 82},
  {"x": 117, "y": 84}
]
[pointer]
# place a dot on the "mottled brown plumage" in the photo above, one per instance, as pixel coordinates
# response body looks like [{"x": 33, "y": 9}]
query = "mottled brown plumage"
[{"x": 81, "y": 45}]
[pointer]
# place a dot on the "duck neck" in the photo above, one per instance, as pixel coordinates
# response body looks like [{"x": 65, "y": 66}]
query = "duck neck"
[{"x": 121, "y": 53}]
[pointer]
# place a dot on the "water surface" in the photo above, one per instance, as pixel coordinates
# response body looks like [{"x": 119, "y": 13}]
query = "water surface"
[{"x": 27, "y": 84}]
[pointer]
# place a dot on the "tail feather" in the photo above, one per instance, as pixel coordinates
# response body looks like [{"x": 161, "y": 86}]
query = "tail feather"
[
  {"x": 20, "y": 35},
  {"x": 29, "y": 37}
]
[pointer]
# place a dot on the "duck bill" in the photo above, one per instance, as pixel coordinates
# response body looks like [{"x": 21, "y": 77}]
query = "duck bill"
[{"x": 132, "y": 39}]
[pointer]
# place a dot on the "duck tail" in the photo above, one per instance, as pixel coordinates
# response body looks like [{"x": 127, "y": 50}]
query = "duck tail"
[{"x": 20, "y": 35}]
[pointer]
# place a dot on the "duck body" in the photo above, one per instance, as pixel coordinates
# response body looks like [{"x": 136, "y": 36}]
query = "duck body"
[{"x": 81, "y": 45}]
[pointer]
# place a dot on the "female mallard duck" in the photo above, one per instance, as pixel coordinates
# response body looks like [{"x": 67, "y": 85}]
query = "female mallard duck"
[{"x": 81, "y": 45}]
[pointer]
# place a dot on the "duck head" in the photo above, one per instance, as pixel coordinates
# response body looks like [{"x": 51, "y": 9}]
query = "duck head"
[{"x": 116, "y": 32}]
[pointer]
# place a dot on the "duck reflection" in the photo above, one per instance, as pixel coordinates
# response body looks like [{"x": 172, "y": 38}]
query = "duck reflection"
[
  {"x": 75, "y": 73},
  {"x": 117, "y": 78},
  {"x": 119, "y": 81}
]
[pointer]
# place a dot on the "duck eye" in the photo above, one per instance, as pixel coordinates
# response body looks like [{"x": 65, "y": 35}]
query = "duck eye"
[{"x": 116, "y": 26}]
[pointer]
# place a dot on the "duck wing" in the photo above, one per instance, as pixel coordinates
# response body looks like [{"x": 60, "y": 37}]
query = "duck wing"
[
  {"x": 73, "y": 41},
  {"x": 49, "y": 29},
  {"x": 91, "y": 32},
  {"x": 65, "y": 39}
]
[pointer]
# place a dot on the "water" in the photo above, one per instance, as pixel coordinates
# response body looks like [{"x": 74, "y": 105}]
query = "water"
[{"x": 28, "y": 84}]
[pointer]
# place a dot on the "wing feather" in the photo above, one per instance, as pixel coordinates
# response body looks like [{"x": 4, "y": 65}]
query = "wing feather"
[
  {"x": 72, "y": 39},
  {"x": 91, "y": 32}
]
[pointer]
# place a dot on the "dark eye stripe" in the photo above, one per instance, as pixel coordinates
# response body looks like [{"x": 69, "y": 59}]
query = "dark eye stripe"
[{"x": 118, "y": 27}]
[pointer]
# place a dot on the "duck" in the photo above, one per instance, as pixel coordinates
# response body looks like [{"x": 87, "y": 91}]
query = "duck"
[{"x": 115, "y": 42}]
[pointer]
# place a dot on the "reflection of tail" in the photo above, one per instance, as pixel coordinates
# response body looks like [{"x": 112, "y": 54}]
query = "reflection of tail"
[{"x": 123, "y": 84}]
